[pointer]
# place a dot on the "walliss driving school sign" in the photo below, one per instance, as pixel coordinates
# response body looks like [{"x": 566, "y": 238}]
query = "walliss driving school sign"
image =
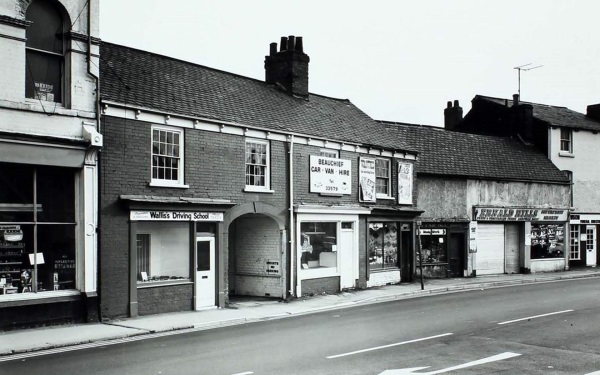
[
  {"x": 330, "y": 175},
  {"x": 175, "y": 216}
]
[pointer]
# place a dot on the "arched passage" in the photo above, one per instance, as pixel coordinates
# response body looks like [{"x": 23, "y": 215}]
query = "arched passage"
[{"x": 256, "y": 250}]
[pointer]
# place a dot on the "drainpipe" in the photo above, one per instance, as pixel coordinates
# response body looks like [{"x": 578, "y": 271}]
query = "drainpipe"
[
  {"x": 291, "y": 229},
  {"x": 96, "y": 78}
]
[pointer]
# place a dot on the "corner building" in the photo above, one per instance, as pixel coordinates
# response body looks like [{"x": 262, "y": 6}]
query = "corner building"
[
  {"x": 49, "y": 141},
  {"x": 217, "y": 185}
]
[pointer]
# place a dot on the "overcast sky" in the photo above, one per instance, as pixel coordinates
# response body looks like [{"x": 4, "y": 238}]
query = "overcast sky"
[{"x": 396, "y": 60}]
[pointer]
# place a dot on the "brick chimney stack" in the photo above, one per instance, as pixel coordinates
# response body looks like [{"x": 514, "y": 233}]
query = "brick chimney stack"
[
  {"x": 593, "y": 111},
  {"x": 289, "y": 66},
  {"x": 453, "y": 115}
]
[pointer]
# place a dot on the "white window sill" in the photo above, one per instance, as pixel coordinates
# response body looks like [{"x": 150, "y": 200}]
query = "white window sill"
[
  {"x": 385, "y": 197},
  {"x": 168, "y": 185},
  {"x": 317, "y": 273},
  {"x": 154, "y": 284},
  {"x": 566, "y": 154},
  {"x": 258, "y": 189}
]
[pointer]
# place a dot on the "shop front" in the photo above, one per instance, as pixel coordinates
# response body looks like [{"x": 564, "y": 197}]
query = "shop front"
[
  {"x": 584, "y": 238},
  {"x": 327, "y": 250},
  {"x": 444, "y": 249},
  {"x": 518, "y": 240},
  {"x": 175, "y": 260}
]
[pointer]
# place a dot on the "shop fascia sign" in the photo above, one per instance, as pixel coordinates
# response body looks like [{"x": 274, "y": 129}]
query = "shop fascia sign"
[
  {"x": 330, "y": 175},
  {"x": 585, "y": 219},
  {"x": 175, "y": 216},
  {"x": 432, "y": 232},
  {"x": 519, "y": 214}
]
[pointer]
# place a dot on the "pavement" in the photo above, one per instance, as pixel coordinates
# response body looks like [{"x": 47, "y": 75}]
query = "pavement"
[{"x": 248, "y": 310}]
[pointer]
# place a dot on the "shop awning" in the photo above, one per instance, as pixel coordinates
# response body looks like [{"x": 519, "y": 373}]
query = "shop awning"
[{"x": 136, "y": 201}]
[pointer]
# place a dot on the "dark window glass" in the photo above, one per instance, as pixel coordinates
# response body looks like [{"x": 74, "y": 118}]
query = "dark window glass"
[
  {"x": 56, "y": 194},
  {"x": 45, "y": 51}
]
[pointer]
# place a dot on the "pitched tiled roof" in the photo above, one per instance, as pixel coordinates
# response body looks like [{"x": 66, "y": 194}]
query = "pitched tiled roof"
[
  {"x": 444, "y": 152},
  {"x": 553, "y": 115},
  {"x": 139, "y": 78}
]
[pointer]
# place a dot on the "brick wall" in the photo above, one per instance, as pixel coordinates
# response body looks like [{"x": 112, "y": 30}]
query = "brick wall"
[
  {"x": 165, "y": 299},
  {"x": 257, "y": 240},
  {"x": 327, "y": 285}
]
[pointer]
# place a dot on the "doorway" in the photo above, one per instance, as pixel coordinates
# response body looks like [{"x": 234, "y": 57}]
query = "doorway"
[
  {"x": 590, "y": 246},
  {"x": 456, "y": 250},
  {"x": 205, "y": 273}
]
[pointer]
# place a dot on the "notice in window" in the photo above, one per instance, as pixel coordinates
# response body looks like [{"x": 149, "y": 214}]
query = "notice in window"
[{"x": 44, "y": 91}]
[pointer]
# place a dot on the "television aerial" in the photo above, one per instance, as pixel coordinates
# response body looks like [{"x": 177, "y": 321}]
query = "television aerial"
[{"x": 523, "y": 68}]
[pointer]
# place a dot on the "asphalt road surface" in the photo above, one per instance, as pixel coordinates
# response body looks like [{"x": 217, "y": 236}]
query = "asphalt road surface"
[{"x": 548, "y": 328}]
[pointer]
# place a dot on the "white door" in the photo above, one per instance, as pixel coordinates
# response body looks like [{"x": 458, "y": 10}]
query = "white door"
[
  {"x": 205, "y": 272},
  {"x": 590, "y": 245},
  {"x": 347, "y": 258},
  {"x": 489, "y": 258},
  {"x": 511, "y": 243}
]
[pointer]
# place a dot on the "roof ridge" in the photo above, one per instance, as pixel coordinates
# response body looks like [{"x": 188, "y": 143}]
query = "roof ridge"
[{"x": 524, "y": 102}]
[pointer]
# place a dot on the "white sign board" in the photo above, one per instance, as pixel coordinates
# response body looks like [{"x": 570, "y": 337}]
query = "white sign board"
[
  {"x": 330, "y": 175},
  {"x": 175, "y": 216},
  {"x": 405, "y": 183},
  {"x": 473, "y": 237},
  {"x": 366, "y": 172},
  {"x": 272, "y": 267}
]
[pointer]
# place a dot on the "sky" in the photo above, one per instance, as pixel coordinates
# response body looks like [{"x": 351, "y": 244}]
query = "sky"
[{"x": 396, "y": 60}]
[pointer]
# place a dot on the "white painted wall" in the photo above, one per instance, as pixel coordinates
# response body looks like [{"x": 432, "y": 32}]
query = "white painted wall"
[{"x": 584, "y": 163}]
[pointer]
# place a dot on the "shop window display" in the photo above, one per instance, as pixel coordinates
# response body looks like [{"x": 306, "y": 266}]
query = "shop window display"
[
  {"x": 163, "y": 251},
  {"x": 37, "y": 229},
  {"x": 547, "y": 241},
  {"x": 383, "y": 245},
  {"x": 318, "y": 245},
  {"x": 433, "y": 245}
]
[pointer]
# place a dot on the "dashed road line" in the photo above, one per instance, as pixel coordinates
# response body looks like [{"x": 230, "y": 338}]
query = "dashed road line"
[
  {"x": 535, "y": 316},
  {"x": 388, "y": 346}
]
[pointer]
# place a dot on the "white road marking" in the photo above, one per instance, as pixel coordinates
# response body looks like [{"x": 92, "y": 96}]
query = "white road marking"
[
  {"x": 388, "y": 346},
  {"x": 535, "y": 316},
  {"x": 244, "y": 373},
  {"x": 594, "y": 373},
  {"x": 494, "y": 358}
]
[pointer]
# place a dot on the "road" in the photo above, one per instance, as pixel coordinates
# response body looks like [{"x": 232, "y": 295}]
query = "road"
[{"x": 548, "y": 328}]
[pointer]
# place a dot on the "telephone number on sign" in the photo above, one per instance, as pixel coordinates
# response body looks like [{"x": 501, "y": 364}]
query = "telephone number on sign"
[{"x": 331, "y": 188}]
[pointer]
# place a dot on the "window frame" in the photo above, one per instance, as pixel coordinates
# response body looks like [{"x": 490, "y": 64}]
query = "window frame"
[
  {"x": 387, "y": 194},
  {"x": 47, "y": 56},
  {"x": 566, "y": 143},
  {"x": 267, "y": 166},
  {"x": 574, "y": 242},
  {"x": 181, "y": 165}
]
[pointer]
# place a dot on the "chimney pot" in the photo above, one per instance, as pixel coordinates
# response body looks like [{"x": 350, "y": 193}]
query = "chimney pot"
[
  {"x": 449, "y": 105},
  {"x": 515, "y": 100},
  {"x": 283, "y": 44},
  {"x": 299, "y": 46},
  {"x": 452, "y": 115},
  {"x": 456, "y": 103},
  {"x": 272, "y": 49},
  {"x": 291, "y": 43}
]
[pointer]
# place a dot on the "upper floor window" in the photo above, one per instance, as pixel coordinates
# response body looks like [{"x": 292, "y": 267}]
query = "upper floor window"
[
  {"x": 382, "y": 177},
  {"x": 167, "y": 156},
  {"x": 334, "y": 154},
  {"x": 257, "y": 165},
  {"x": 45, "y": 49},
  {"x": 566, "y": 140}
]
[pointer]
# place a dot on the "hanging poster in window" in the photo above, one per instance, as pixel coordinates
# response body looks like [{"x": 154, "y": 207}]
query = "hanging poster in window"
[
  {"x": 330, "y": 175},
  {"x": 366, "y": 171},
  {"x": 405, "y": 183}
]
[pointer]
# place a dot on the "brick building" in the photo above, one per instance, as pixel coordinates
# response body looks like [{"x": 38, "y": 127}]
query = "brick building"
[
  {"x": 486, "y": 201},
  {"x": 215, "y": 185},
  {"x": 569, "y": 139},
  {"x": 49, "y": 141}
]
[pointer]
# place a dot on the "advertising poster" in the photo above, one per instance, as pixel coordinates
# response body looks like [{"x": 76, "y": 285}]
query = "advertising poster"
[
  {"x": 330, "y": 175},
  {"x": 366, "y": 171},
  {"x": 405, "y": 183}
]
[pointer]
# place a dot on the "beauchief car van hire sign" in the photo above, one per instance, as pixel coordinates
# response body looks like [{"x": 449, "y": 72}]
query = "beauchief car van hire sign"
[{"x": 330, "y": 176}]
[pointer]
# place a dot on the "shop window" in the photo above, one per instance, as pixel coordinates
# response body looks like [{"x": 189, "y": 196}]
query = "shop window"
[
  {"x": 37, "y": 228},
  {"x": 433, "y": 246},
  {"x": 566, "y": 140},
  {"x": 334, "y": 154},
  {"x": 167, "y": 156},
  {"x": 45, "y": 48},
  {"x": 318, "y": 245},
  {"x": 257, "y": 165},
  {"x": 165, "y": 251},
  {"x": 383, "y": 245},
  {"x": 575, "y": 250},
  {"x": 382, "y": 177},
  {"x": 547, "y": 241}
]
